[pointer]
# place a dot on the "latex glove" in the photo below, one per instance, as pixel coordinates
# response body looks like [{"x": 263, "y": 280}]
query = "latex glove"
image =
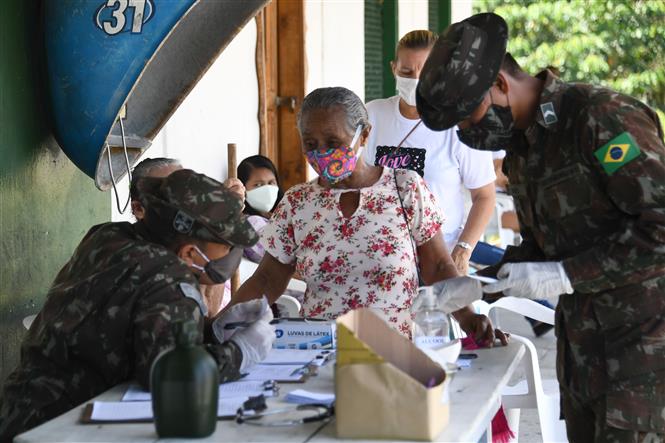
[
  {"x": 248, "y": 312},
  {"x": 534, "y": 280},
  {"x": 461, "y": 259},
  {"x": 255, "y": 341},
  {"x": 455, "y": 293}
]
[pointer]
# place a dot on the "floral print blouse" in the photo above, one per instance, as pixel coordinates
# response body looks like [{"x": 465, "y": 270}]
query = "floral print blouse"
[{"x": 365, "y": 260}]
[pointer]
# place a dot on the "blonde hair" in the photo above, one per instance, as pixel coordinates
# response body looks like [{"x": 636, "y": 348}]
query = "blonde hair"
[{"x": 418, "y": 39}]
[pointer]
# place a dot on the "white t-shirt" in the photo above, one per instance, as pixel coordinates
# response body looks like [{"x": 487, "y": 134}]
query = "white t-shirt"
[{"x": 449, "y": 166}]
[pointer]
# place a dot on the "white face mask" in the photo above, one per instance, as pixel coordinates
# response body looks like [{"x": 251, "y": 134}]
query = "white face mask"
[
  {"x": 406, "y": 87},
  {"x": 262, "y": 198}
]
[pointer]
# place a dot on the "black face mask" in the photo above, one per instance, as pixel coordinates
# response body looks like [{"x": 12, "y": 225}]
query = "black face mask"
[
  {"x": 492, "y": 133},
  {"x": 220, "y": 270}
]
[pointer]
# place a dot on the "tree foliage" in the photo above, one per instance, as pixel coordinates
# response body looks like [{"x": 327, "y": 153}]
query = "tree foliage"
[{"x": 616, "y": 43}]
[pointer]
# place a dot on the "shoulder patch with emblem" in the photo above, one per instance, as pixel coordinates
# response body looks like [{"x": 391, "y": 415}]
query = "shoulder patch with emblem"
[
  {"x": 549, "y": 116},
  {"x": 617, "y": 152},
  {"x": 190, "y": 291}
]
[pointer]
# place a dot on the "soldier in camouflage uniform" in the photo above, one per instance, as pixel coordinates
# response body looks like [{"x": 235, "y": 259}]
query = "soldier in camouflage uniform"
[
  {"x": 109, "y": 312},
  {"x": 587, "y": 171}
]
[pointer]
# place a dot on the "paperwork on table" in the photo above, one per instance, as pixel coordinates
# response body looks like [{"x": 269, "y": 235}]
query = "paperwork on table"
[
  {"x": 123, "y": 411},
  {"x": 281, "y": 365},
  {"x": 243, "y": 388}
]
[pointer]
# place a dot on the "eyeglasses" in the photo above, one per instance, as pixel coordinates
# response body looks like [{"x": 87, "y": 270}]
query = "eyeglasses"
[{"x": 253, "y": 412}]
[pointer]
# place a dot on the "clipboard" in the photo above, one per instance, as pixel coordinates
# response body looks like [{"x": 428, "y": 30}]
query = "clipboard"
[{"x": 301, "y": 376}]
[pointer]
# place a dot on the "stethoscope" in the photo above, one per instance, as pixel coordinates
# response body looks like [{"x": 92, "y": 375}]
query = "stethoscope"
[{"x": 248, "y": 413}]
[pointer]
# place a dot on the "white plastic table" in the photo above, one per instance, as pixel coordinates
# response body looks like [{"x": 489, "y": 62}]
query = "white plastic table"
[{"x": 475, "y": 395}]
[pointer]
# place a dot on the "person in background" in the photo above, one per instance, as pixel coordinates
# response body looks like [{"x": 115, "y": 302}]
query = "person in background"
[
  {"x": 263, "y": 194},
  {"x": 359, "y": 235},
  {"x": 400, "y": 140},
  {"x": 111, "y": 309},
  {"x": 150, "y": 167},
  {"x": 586, "y": 166}
]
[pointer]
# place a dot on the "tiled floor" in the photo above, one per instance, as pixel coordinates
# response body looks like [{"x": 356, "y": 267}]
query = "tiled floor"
[{"x": 529, "y": 431}]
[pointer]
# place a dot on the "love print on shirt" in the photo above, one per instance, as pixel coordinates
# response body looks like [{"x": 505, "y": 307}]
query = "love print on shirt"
[{"x": 392, "y": 157}]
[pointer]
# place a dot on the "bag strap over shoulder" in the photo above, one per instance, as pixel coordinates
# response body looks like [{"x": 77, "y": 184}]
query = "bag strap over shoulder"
[{"x": 396, "y": 172}]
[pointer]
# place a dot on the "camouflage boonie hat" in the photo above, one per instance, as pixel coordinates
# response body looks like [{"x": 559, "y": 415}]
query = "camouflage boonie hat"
[
  {"x": 461, "y": 68},
  {"x": 196, "y": 206}
]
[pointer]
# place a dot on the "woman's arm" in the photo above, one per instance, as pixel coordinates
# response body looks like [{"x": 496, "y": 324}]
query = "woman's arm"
[
  {"x": 436, "y": 265},
  {"x": 483, "y": 201},
  {"x": 269, "y": 279},
  {"x": 435, "y": 262}
]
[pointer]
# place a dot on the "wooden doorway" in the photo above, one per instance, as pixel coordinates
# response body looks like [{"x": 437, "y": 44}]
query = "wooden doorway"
[{"x": 280, "y": 64}]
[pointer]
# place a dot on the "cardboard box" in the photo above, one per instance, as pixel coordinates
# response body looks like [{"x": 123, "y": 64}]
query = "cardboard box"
[
  {"x": 299, "y": 333},
  {"x": 386, "y": 388}
]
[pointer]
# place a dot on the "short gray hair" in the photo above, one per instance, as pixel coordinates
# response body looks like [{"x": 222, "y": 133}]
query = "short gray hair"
[
  {"x": 326, "y": 98},
  {"x": 145, "y": 168},
  {"x": 148, "y": 165}
]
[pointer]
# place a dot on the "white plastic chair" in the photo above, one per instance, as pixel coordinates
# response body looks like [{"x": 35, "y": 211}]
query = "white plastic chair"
[
  {"x": 289, "y": 305},
  {"x": 533, "y": 392}
]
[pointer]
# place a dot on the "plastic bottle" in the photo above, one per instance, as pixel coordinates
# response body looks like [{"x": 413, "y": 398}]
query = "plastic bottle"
[
  {"x": 184, "y": 382},
  {"x": 430, "y": 323}
]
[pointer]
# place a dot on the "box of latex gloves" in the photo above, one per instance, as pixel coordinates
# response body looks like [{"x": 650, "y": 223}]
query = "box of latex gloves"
[{"x": 303, "y": 333}]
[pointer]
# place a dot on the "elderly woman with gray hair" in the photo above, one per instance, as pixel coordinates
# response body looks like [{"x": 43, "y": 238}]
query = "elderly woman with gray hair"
[{"x": 359, "y": 235}]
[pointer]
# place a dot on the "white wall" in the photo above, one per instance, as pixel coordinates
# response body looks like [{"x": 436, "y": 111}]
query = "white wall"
[
  {"x": 222, "y": 108},
  {"x": 334, "y": 47},
  {"x": 413, "y": 14},
  {"x": 335, "y": 44},
  {"x": 460, "y": 9}
]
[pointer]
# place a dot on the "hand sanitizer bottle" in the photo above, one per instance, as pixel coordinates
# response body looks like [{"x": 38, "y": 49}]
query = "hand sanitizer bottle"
[{"x": 430, "y": 323}]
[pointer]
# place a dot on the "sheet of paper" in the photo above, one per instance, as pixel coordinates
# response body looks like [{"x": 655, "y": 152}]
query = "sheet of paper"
[
  {"x": 275, "y": 372},
  {"x": 303, "y": 397},
  {"x": 142, "y": 410},
  {"x": 242, "y": 388},
  {"x": 293, "y": 356},
  {"x": 121, "y": 411}
]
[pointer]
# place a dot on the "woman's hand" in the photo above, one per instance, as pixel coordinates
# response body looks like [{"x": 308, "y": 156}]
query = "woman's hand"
[
  {"x": 480, "y": 328},
  {"x": 234, "y": 185},
  {"x": 213, "y": 295},
  {"x": 461, "y": 258}
]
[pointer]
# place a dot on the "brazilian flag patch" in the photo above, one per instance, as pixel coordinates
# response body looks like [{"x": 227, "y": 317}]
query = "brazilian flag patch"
[{"x": 617, "y": 152}]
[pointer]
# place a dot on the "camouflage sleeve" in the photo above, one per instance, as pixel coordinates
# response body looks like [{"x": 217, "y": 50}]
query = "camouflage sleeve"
[
  {"x": 622, "y": 140},
  {"x": 167, "y": 299}
]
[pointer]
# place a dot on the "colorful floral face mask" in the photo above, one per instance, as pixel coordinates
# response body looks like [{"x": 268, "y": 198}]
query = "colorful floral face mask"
[{"x": 335, "y": 164}]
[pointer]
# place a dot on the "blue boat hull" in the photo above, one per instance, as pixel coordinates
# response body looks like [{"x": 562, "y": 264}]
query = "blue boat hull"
[{"x": 133, "y": 58}]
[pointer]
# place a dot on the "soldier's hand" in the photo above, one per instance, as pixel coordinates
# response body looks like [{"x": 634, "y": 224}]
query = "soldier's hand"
[
  {"x": 534, "y": 280},
  {"x": 255, "y": 341},
  {"x": 246, "y": 312}
]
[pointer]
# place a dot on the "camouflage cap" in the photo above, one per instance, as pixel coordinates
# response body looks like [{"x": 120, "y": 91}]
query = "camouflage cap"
[
  {"x": 461, "y": 68},
  {"x": 195, "y": 205}
]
